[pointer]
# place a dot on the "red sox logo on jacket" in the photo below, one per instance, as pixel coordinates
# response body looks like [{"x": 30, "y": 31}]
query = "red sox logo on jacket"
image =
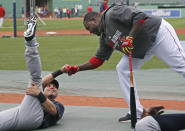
[{"x": 116, "y": 40}]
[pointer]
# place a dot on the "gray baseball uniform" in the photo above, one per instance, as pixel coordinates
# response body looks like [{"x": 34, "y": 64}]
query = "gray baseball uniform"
[
  {"x": 29, "y": 114},
  {"x": 165, "y": 122},
  {"x": 148, "y": 124}
]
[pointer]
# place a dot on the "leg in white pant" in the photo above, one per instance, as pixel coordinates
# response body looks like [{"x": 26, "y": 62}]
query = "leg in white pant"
[
  {"x": 1, "y": 22},
  {"x": 169, "y": 49},
  {"x": 123, "y": 71}
]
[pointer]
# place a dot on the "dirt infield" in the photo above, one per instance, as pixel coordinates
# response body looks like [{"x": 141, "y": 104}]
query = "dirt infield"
[
  {"x": 65, "y": 32},
  {"x": 180, "y": 30},
  {"x": 98, "y": 101}
]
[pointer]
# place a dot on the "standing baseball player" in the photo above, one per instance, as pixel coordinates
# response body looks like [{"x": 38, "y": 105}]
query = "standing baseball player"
[
  {"x": 38, "y": 108},
  {"x": 104, "y": 5},
  {"x": 152, "y": 120},
  {"x": 2, "y": 14},
  {"x": 126, "y": 29}
]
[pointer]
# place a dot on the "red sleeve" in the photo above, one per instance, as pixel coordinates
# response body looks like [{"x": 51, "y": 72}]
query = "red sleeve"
[
  {"x": 3, "y": 12},
  {"x": 142, "y": 20},
  {"x": 96, "y": 62},
  {"x": 105, "y": 6}
]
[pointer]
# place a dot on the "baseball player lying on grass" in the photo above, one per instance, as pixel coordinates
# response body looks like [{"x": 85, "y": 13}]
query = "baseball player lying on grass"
[
  {"x": 38, "y": 108},
  {"x": 124, "y": 28},
  {"x": 152, "y": 120}
]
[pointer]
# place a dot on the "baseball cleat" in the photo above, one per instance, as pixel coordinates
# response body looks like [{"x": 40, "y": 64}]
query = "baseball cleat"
[
  {"x": 125, "y": 118},
  {"x": 31, "y": 27}
]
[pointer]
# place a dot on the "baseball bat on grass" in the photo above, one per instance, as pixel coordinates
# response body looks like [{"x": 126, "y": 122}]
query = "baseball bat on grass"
[{"x": 132, "y": 95}]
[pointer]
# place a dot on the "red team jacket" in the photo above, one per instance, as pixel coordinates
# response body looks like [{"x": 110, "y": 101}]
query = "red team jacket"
[
  {"x": 103, "y": 7},
  {"x": 2, "y": 12}
]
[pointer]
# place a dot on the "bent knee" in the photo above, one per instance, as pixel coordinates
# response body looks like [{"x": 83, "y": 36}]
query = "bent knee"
[
  {"x": 147, "y": 123},
  {"x": 122, "y": 68},
  {"x": 139, "y": 125}
]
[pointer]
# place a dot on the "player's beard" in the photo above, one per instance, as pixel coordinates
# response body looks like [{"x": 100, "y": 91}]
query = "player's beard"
[{"x": 96, "y": 30}]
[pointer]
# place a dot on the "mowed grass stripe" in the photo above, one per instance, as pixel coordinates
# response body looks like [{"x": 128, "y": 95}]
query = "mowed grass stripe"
[
  {"x": 71, "y": 24},
  {"x": 56, "y": 51}
]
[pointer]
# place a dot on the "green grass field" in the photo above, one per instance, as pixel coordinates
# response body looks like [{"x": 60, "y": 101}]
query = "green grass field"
[
  {"x": 56, "y": 51},
  {"x": 57, "y": 24},
  {"x": 70, "y": 24}
]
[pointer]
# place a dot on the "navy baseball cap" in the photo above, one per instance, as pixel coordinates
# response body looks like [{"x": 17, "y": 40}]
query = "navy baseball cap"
[{"x": 55, "y": 82}]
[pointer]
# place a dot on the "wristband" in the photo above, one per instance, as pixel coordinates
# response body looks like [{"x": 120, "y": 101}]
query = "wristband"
[
  {"x": 56, "y": 73},
  {"x": 96, "y": 62},
  {"x": 142, "y": 20},
  {"x": 41, "y": 97}
]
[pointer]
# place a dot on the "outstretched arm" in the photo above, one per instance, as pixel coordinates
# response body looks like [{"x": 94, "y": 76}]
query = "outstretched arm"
[
  {"x": 85, "y": 66},
  {"x": 50, "y": 77},
  {"x": 93, "y": 63}
]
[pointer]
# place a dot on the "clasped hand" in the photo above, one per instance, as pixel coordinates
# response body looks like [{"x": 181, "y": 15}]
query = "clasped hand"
[
  {"x": 70, "y": 69},
  {"x": 156, "y": 110},
  {"x": 127, "y": 45},
  {"x": 33, "y": 90}
]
